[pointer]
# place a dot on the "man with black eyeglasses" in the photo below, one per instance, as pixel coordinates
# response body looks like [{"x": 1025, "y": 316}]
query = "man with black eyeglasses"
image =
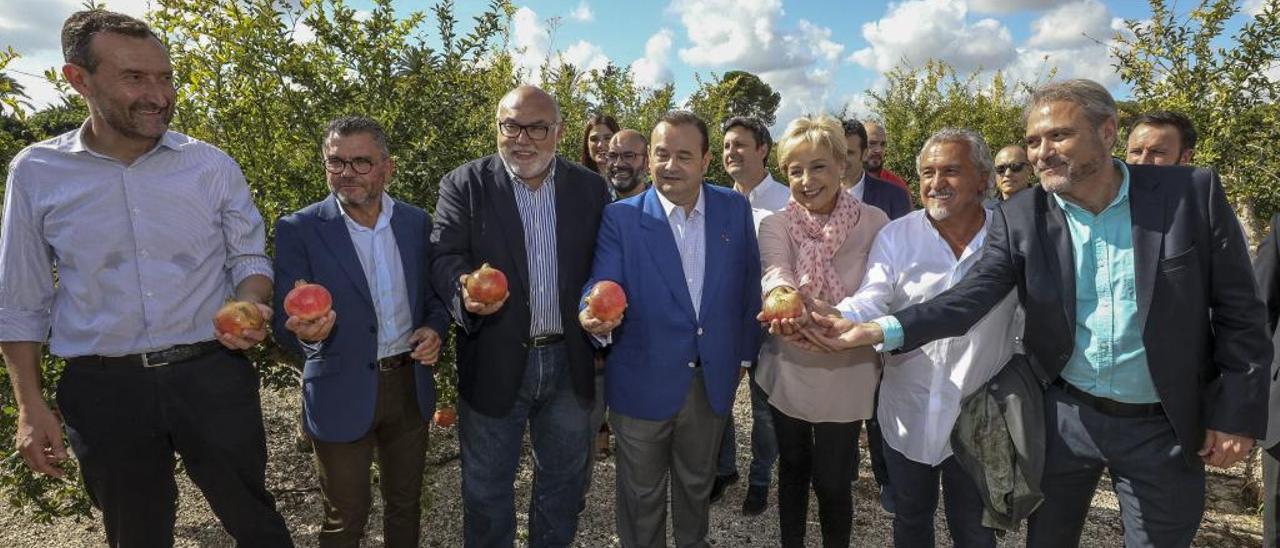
[
  {"x": 1012, "y": 171},
  {"x": 627, "y": 162},
  {"x": 523, "y": 360},
  {"x": 367, "y": 384}
]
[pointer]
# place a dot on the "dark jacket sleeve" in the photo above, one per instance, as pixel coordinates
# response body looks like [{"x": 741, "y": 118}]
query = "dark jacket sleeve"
[
  {"x": 750, "y": 325},
  {"x": 953, "y": 312},
  {"x": 437, "y": 313},
  {"x": 1237, "y": 399},
  {"x": 451, "y": 246},
  {"x": 1268, "y": 277},
  {"x": 291, "y": 264}
]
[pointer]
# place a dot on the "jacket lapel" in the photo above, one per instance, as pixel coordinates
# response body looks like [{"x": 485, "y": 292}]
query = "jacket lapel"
[
  {"x": 1055, "y": 236},
  {"x": 403, "y": 230},
  {"x": 338, "y": 240},
  {"x": 1148, "y": 215},
  {"x": 500, "y": 190},
  {"x": 662, "y": 246},
  {"x": 566, "y": 237},
  {"x": 717, "y": 237}
]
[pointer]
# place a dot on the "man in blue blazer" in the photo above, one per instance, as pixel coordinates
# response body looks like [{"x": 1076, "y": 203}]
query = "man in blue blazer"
[
  {"x": 692, "y": 279},
  {"x": 366, "y": 383}
]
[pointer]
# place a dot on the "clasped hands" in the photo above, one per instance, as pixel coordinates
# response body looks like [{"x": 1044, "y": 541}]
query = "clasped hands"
[{"x": 821, "y": 328}]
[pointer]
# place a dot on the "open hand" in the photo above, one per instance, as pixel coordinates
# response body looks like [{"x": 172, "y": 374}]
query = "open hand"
[
  {"x": 249, "y": 337},
  {"x": 312, "y": 330}
]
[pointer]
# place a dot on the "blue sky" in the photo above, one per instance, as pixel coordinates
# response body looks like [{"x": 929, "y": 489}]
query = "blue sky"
[{"x": 820, "y": 54}]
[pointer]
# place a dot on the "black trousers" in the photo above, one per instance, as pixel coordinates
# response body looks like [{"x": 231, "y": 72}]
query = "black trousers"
[
  {"x": 1270, "y": 500},
  {"x": 824, "y": 455},
  {"x": 126, "y": 423}
]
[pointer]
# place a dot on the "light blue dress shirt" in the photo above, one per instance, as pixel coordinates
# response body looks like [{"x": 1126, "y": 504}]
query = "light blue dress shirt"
[
  {"x": 384, "y": 270},
  {"x": 1109, "y": 360},
  {"x": 690, "y": 233}
]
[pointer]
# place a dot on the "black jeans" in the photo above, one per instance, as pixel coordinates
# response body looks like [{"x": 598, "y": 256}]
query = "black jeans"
[
  {"x": 126, "y": 422},
  {"x": 915, "y": 498},
  {"x": 824, "y": 454},
  {"x": 1270, "y": 471}
]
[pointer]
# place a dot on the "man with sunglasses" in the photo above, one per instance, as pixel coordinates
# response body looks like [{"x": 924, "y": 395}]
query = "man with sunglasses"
[
  {"x": 522, "y": 360},
  {"x": 366, "y": 381},
  {"x": 1012, "y": 171}
]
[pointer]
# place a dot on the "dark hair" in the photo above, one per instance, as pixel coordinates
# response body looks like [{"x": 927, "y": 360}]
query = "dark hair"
[
  {"x": 351, "y": 125},
  {"x": 852, "y": 127},
  {"x": 79, "y": 29},
  {"x": 593, "y": 121},
  {"x": 684, "y": 117},
  {"x": 1179, "y": 121},
  {"x": 755, "y": 126}
]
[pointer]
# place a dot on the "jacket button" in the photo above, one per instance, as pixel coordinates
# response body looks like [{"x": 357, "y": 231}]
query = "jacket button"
[
  {"x": 699, "y": 331},
  {"x": 693, "y": 364}
]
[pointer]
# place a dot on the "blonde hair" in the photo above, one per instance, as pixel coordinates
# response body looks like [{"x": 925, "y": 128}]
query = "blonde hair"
[{"x": 819, "y": 131}]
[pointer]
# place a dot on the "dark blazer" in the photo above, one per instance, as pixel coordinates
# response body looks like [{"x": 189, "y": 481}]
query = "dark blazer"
[
  {"x": 1267, "y": 269},
  {"x": 1203, "y": 324},
  {"x": 340, "y": 375},
  {"x": 650, "y": 365},
  {"x": 477, "y": 222},
  {"x": 890, "y": 198}
]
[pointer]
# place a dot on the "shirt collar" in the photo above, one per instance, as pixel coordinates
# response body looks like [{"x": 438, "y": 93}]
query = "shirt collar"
[
  {"x": 975, "y": 243},
  {"x": 1122, "y": 195},
  {"x": 669, "y": 208},
  {"x": 384, "y": 217},
  {"x": 74, "y": 142},
  {"x": 767, "y": 184}
]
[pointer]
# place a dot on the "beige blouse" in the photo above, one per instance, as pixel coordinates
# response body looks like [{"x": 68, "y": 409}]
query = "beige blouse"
[{"x": 812, "y": 386}]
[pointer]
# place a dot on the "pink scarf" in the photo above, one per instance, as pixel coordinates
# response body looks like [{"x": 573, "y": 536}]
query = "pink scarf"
[{"x": 818, "y": 242}]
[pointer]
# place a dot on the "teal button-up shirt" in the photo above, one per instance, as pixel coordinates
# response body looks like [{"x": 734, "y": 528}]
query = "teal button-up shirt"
[{"x": 1109, "y": 360}]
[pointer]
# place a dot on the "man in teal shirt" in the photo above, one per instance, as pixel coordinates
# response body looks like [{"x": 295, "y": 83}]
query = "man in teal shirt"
[{"x": 1144, "y": 322}]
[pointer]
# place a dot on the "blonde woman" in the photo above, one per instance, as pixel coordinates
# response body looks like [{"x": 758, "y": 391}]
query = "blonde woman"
[{"x": 816, "y": 246}]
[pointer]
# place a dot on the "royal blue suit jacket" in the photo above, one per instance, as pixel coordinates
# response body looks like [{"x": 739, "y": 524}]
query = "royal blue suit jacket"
[
  {"x": 648, "y": 371},
  {"x": 340, "y": 375}
]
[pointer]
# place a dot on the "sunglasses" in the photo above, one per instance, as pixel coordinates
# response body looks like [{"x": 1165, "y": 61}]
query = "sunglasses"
[{"x": 1015, "y": 167}]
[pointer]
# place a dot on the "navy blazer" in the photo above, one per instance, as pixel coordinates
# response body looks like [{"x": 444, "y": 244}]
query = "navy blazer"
[
  {"x": 651, "y": 362},
  {"x": 1267, "y": 269},
  {"x": 340, "y": 375},
  {"x": 1203, "y": 324},
  {"x": 477, "y": 221},
  {"x": 890, "y": 198}
]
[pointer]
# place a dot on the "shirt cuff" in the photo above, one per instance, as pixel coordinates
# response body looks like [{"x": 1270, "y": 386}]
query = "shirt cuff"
[
  {"x": 248, "y": 266},
  {"x": 24, "y": 325},
  {"x": 745, "y": 364},
  {"x": 893, "y": 336},
  {"x": 602, "y": 341}
]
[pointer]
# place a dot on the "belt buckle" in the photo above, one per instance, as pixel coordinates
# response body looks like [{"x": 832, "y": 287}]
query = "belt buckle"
[{"x": 146, "y": 363}]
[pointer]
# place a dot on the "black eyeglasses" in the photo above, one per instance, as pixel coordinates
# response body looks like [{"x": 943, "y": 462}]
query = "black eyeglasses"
[
  {"x": 1015, "y": 167},
  {"x": 536, "y": 132},
  {"x": 625, "y": 156},
  {"x": 336, "y": 165}
]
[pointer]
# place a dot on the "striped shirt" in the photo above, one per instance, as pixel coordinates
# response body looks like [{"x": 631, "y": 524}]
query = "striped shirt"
[
  {"x": 538, "y": 217},
  {"x": 145, "y": 253},
  {"x": 690, "y": 233}
]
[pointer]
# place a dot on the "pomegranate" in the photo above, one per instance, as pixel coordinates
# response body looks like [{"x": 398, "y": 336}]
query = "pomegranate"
[
  {"x": 487, "y": 285},
  {"x": 236, "y": 317},
  {"x": 782, "y": 303},
  {"x": 307, "y": 301},
  {"x": 445, "y": 417},
  {"x": 606, "y": 301}
]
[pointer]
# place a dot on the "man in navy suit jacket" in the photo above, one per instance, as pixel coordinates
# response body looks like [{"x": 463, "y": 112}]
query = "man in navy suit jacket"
[
  {"x": 366, "y": 383},
  {"x": 692, "y": 279},
  {"x": 890, "y": 198}
]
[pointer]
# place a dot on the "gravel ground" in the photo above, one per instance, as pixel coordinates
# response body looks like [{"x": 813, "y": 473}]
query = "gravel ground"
[{"x": 291, "y": 476}]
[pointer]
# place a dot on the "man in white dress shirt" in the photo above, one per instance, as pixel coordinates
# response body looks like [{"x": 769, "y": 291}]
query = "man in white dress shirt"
[
  {"x": 913, "y": 259},
  {"x": 746, "y": 153}
]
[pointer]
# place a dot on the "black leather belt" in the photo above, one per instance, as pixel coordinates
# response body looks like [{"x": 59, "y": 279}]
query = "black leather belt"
[
  {"x": 391, "y": 363},
  {"x": 1109, "y": 406},
  {"x": 173, "y": 354},
  {"x": 545, "y": 340}
]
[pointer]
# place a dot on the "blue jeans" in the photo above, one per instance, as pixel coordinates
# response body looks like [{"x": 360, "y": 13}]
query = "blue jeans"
[
  {"x": 559, "y": 430},
  {"x": 764, "y": 443}
]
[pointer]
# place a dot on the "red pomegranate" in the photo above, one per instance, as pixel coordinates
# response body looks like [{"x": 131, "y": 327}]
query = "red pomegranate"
[
  {"x": 783, "y": 303},
  {"x": 445, "y": 417},
  {"x": 236, "y": 317},
  {"x": 307, "y": 301},
  {"x": 487, "y": 285},
  {"x": 606, "y": 301}
]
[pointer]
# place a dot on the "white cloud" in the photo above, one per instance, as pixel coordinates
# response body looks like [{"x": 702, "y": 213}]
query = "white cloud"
[
  {"x": 531, "y": 43},
  {"x": 799, "y": 63},
  {"x": 585, "y": 56},
  {"x": 1071, "y": 25},
  {"x": 582, "y": 13},
  {"x": 1011, "y": 6},
  {"x": 919, "y": 30},
  {"x": 654, "y": 69},
  {"x": 34, "y": 25}
]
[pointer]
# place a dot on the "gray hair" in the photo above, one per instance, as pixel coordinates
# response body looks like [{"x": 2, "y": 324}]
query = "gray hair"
[
  {"x": 351, "y": 125},
  {"x": 979, "y": 152},
  {"x": 1096, "y": 101}
]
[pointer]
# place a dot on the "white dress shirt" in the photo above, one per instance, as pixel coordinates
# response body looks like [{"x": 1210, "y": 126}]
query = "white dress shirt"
[
  {"x": 859, "y": 188},
  {"x": 766, "y": 198},
  {"x": 921, "y": 390},
  {"x": 690, "y": 232},
  {"x": 384, "y": 270}
]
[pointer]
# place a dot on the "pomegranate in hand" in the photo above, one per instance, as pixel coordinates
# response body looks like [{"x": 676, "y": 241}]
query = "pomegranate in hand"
[
  {"x": 783, "y": 303},
  {"x": 445, "y": 417},
  {"x": 606, "y": 301},
  {"x": 236, "y": 317},
  {"x": 487, "y": 285},
  {"x": 307, "y": 301}
]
